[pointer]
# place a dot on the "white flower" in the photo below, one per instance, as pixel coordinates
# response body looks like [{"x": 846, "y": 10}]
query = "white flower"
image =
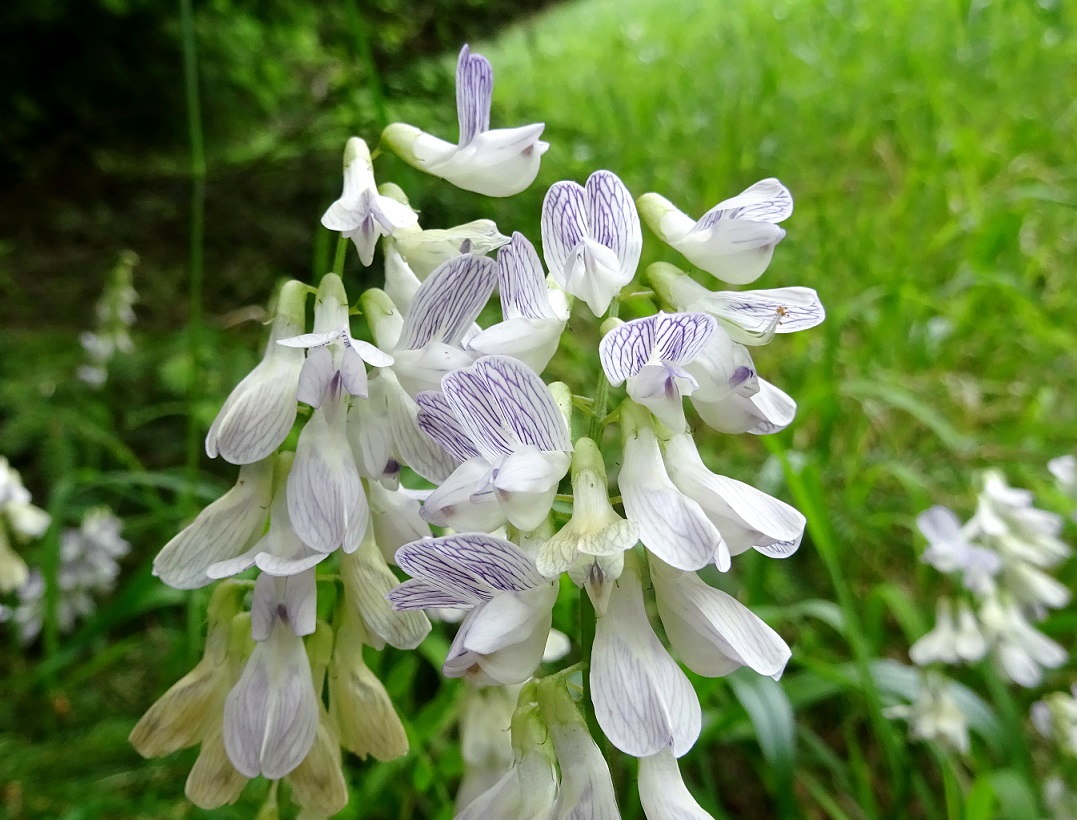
[
  {"x": 711, "y": 632},
  {"x": 596, "y": 536},
  {"x": 750, "y": 317},
  {"x": 280, "y": 551},
  {"x": 502, "y": 162},
  {"x": 509, "y": 603},
  {"x": 424, "y": 250},
  {"x": 504, "y": 421},
  {"x": 260, "y": 411},
  {"x": 25, "y": 520},
  {"x": 650, "y": 354},
  {"x": 949, "y": 642},
  {"x": 485, "y": 743},
  {"x": 534, "y": 314},
  {"x": 591, "y": 238},
  {"x": 223, "y": 530},
  {"x": 361, "y": 213},
  {"x": 271, "y": 715},
  {"x": 949, "y": 550},
  {"x": 643, "y": 701},
  {"x": 335, "y": 360},
  {"x": 1020, "y": 650},
  {"x": 934, "y": 715},
  {"x": 735, "y": 239},
  {"x": 662, "y": 791}
]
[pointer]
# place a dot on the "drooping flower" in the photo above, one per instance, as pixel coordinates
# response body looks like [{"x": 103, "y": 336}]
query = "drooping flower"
[
  {"x": 950, "y": 642},
  {"x": 508, "y": 603},
  {"x": 1021, "y": 651},
  {"x": 650, "y": 354},
  {"x": 271, "y": 715},
  {"x": 485, "y": 743},
  {"x": 259, "y": 413},
  {"x": 223, "y": 530},
  {"x": 643, "y": 701},
  {"x": 362, "y": 214},
  {"x": 934, "y": 714},
  {"x": 502, "y": 413},
  {"x": 710, "y": 631},
  {"x": 500, "y": 163},
  {"x": 950, "y": 550},
  {"x": 591, "y": 238},
  {"x": 735, "y": 240}
]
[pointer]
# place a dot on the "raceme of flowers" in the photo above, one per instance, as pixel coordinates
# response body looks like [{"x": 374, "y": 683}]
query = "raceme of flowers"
[
  {"x": 1001, "y": 556},
  {"x": 115, "y": 314},
  {"x": 88, "y": 570},
  {"x": 436, "y": 445}
]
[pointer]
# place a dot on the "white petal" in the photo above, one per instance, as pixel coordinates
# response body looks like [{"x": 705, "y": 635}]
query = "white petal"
[
  {"x": 394, "y": 514},
  {"x": 502, "y": 162},
  {"x": 509, "y": 618},
  {"x": 734, "y": 251},
  {"x": 753, "y": 316},
  {"x": 533, "y": 341},
  {"x": 643, "y": 701},
  {"x": 225, "y": 528},
  {"x": 613, "y": 220},
  {"x": 745, "y": 517},
  {"x": 708, "y": 628},
  {"x": 662, "y": 791},
  {"x": 586, "y": 785},
  {"x": 412, "y": 445},
  {"x": 367, "y": 580},
  {"x": 768, "y": 411},
  {"x": 325, "y": 496},
  {"x": 671, "y": 525},
  {"x": 526, "y": 404},
  {"x": 625, "y": 349},
  {"x": 564, "y": 225},
  {"x": 456, "y": 504},
  {"x": 271, "y": 715},
  {"x": 765, "y": 201},
  {"x": 448, "y": 302}
]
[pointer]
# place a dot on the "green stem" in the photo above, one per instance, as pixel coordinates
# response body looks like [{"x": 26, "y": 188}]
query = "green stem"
[
  {"x": 195, "y": 283},
  {"x": 341, "y": 255},
  {"x": 602, "y": 391}
]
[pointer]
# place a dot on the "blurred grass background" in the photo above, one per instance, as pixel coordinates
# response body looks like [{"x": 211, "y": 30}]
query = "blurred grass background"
[{"x": 930, "y": 149}]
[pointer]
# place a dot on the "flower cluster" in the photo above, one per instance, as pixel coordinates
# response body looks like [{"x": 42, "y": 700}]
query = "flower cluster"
[
  {"x": 1001, "y": 554},
  {"x": 19, "y": 519},
  {"x": 115, "y": 314},
  {"x": 88, "y": 570},
  {"x": 436, "y": 444}
]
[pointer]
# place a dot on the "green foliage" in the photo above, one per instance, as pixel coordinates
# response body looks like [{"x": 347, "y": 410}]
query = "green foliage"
[{"x": 934, "y": 216}]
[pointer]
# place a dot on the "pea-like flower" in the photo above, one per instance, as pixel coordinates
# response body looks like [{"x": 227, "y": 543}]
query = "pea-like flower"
[
  {"x": 502, "y": 162},
  {"x": 735, "y": 240},
  {"x": 591, "y": 238},
  {"x": 362, "y": 214},
  {"x": 509, "y": 604}
]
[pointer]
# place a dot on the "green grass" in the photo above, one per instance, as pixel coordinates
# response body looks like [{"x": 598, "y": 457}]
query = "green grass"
[{"x": 929, "y": 148}]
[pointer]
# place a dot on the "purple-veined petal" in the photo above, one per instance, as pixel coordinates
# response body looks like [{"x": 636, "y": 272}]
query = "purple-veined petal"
[
  {"x": 586, "y": 791},
  {"x": 316, "y": 376},
  {"x": 353, "y": 373},
  {"x": 564, "y": 225},
  {"x": 661, "y": 389},
  {"x": 474, "y": 92},
  {"x": 613, "y": 220},
  {"x": 437, "y": 420},
  {"x": 759, "y": 314},
  {"x": 626, "y": 349},
  {"x": 448, "y": 301},
  {"x": 526, "y": 404},
  {"x": 424, "y": 561},
  {"x": 311, "y": 340},
  {"x": 766, "y": 201},
  {"x": 271, "y": 715},
  {"x": 679, "y": 337},
  {"x": 643, "y": 701},
  {"x": 222, "y": 530},
  {"x": 521, "y": 283},
  {"x": 326, "y": 502},
  {"x": 411, "y": 445},
  {"x": 478, "y": 411},
  {"x": 288, "y": 601},
  {"x": 418, "y": 593},
  {"x": 499, "y": 563},
  {"x": 662, "y": 792}
]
